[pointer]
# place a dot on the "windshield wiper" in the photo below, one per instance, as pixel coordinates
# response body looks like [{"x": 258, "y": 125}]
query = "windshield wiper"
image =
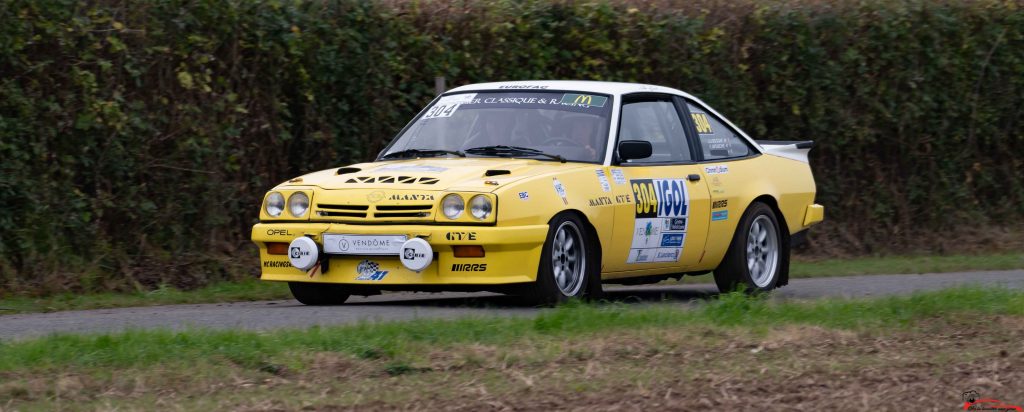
[
  {"x": 502, "y": 150},
  {"x": 422, "y": 153}
]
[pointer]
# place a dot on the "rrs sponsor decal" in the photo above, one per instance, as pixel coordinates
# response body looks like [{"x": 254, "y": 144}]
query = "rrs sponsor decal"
[
  {"x": 660, "y": 216},
  {"x": 277, "y": 264},
  {"x": 719, "y": 204},
  {"x": 469, "y": 267}
]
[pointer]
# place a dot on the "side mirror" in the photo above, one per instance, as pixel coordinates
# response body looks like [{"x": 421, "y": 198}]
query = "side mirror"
[{"x": 634, "y": 149}]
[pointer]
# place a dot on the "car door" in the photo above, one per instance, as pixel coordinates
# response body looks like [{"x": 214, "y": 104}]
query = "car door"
[{"x": 662, "y": 202}]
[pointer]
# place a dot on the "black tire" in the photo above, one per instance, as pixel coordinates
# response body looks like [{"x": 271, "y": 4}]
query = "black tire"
[
  {"x": 734, "y": 272},
  {"x": 549, "y": 289},
  {"x": 318, "y": 294}
]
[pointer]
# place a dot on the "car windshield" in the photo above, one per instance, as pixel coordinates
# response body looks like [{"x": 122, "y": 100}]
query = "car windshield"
[{"x": 563, "y": 126}]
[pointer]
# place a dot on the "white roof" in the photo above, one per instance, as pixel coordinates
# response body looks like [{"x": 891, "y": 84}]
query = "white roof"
[{"x": 612, "y": 88}]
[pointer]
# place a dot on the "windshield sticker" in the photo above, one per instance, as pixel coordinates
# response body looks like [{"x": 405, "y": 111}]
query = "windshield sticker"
[
  {"x": 560, "y": 190},
  {"x": 701, "y": 121},
  {"x": 410, "y": 168},
  {"x": 457, "y": 98},
  {"x": 441, "y": 110},
  {"x": 584, "y": 100},
  {"x": 716, "y": 169},
  {"x": 522, "y": 86},
  {"x": 447, "y": 105},
  {"x": 659, "y": 228},
  {"x": 603, "y": 180}
]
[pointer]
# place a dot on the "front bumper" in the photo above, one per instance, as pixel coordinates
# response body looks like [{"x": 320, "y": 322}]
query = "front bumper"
[{"x": 512, "y": 254}]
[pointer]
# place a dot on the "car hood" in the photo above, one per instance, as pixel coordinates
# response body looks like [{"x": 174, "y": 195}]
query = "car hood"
[{"x": 468, "y": 174}]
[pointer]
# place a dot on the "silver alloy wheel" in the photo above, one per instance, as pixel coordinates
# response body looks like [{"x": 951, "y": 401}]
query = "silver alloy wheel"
[
  {"x": 762, "y": 251},
  {"x": 567, "y": 258}
]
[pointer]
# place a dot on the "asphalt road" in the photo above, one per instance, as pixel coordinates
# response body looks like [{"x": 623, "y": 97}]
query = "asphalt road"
[{"x": 266, "y": 315}]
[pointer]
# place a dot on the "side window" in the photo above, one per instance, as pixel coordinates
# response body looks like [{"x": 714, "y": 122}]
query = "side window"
[
  {"x": 656, "y": 122},
  {"x": 716, "y": 140}
]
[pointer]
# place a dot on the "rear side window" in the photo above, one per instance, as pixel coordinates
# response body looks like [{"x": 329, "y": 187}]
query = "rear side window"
[
  {"x": 655, "y": 121},
  {"x": 717, "y": 141}
]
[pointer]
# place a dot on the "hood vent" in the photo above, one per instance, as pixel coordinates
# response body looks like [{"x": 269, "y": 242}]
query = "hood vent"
[
  {"x": 347, "y": 170},
  {"x": 393, "y": 179},
  {"x": 497, "y": 172}
]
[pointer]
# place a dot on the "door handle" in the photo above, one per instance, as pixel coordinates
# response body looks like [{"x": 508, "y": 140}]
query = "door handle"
[{"x": 693, "y": 177}]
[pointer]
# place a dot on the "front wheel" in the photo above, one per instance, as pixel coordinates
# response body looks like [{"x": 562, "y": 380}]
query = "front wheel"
[
  {"x": 318, "y": 294},
  {"x": 568, "y": 264},
  {"x": 754, "y": 258}
]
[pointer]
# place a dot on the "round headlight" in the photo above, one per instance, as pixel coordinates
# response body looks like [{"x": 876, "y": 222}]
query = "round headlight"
[
  {"x": 452, "y": 206},
  {"x": 480, "y": 207},
  {"x": 298, "y": 202},
  {"x": 275, "y": 204}
]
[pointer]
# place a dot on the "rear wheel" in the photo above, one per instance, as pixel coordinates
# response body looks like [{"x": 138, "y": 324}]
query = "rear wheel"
[
  {"x": 568, "y": 264},
  {"x": 754, "y": 258},
  {"x": 318, "y": 294}
]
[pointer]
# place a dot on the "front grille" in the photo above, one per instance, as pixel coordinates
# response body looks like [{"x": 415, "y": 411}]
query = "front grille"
[
  {"x": 372, "y": 213},
  {"x": 328, "y": 210}
]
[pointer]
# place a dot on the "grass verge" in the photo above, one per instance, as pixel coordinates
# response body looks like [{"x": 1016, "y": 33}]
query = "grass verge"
[
  {"x": 602, "y": 354},
  {"x": 220, "y": 292},
  {"x": 250, "y": 290}
]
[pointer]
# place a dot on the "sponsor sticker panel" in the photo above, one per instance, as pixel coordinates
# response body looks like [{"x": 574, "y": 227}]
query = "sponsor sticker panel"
[{"x": 659, "y": 228}]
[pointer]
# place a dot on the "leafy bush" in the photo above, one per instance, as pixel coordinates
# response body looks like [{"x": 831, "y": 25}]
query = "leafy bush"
[{"x": 138, "y": 137}]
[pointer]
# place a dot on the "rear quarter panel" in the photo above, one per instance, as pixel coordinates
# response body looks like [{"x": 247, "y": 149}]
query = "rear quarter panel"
[{"x": 788, "y": 182}]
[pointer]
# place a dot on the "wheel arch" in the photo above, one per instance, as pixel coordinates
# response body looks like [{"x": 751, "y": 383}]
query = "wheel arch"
[{"x": 594, "y": 236}]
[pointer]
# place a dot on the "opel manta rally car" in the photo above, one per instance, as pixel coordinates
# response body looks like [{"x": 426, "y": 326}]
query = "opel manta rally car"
[{"x": 545, "y": 189}]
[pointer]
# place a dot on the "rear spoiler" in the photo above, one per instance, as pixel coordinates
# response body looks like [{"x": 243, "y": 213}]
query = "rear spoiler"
[{"x": 790, "y": 149}]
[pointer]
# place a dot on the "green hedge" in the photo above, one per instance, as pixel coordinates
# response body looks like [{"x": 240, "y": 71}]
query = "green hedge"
[{"x": 137, "y": 137}]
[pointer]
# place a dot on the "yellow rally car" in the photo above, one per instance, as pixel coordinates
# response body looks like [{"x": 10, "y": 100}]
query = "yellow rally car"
[{"x": 546, "y": 189}]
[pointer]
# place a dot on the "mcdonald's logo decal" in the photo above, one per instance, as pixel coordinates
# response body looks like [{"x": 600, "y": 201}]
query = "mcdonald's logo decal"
[{"x": 584, "y": 100}]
